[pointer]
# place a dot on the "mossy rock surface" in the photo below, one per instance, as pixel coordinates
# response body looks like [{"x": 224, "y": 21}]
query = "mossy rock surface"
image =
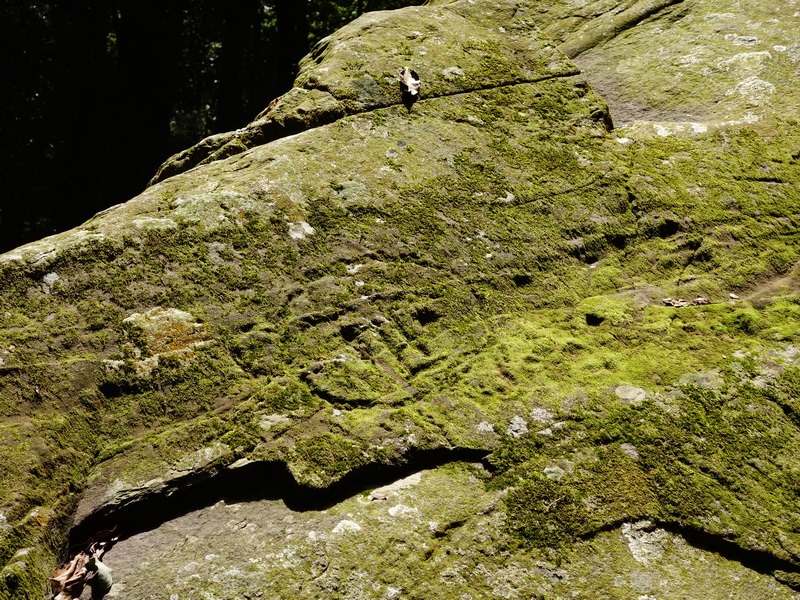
[{"x": 578, "y": 341}]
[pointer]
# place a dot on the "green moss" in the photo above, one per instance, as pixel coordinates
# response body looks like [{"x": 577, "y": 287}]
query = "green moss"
[
  {"x": 788, "y": 393},
  {"x": 745, "y": 320},
  {"x": 323, "y": 459},
  {"x": 709, "y": 460},
  {"x": 492, "y": 250},
  {"x": 553, "y": 509},
  {"x": 25, "y": 575},
  {"x": 616, "y": 311},
  {"x": 555, "y": 514},
  {"x": 284, "y": 395},
  {"x": 348, "y": 379}
]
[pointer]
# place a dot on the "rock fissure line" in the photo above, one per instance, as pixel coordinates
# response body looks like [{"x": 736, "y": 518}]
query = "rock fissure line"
[
  {"x": 312, "y": 319},
  {"x": 480, "y": 88},
  {"x": 762, "y": 179},
  {"x": 759, "y": 561},
  {"x": 219, "y": 145},
  {"x": 555, "y": 194},
  {"x": 620, "y": 22},
  {"x": 262, "y": 480},
  {"x": 407, "y": 387},
  {"x": 484, "y": 88}
]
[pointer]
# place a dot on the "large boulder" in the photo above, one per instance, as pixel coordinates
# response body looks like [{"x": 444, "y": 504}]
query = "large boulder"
[{"x": 368, "y": 349}]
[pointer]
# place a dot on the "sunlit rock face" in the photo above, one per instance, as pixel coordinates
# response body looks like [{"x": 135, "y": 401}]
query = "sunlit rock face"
[{"x": 532, "y": 335}]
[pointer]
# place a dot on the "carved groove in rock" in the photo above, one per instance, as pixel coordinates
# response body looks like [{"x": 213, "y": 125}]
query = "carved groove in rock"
[
  {"x": 757, "y": 560},
  {"x": 607, "y": 27},
  {"x": 760, "y": 561},
  {"x": 263, "y": 480}
]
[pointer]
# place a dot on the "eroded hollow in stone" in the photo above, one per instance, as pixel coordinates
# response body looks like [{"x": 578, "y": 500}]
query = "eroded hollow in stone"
[{"x": 263, "y": 480}]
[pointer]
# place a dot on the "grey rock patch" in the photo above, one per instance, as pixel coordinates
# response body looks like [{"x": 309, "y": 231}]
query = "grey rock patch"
[
  {"x": 645, "y": 543},
  {"x": 48, "y": 281},
  {"x": 741, "y": 40},
  {"x": 353, "y": 269},
  {"x": 630, "y": 450},
  {"x": 199, "y": 459},
  {"x": 451, "y": 73},
  {"x": 517, "y": 427},
  {"x": 509, "y": 197},
  {"x": 484, "y": 427},
  {"x": 154, "y": 223},
  {"x": 707, "y": 379},
  {"x": 396, "y": 486},
  {"x": 542, "y": 415},
  {"x": 791, "y": 352},
  {"x": 401, "y": 509},
  {"x": 158, "y": 316},
  {"x": 242, "y": 462},
  {"x": 549, "y": 572},
  {"x": 345, "y": 525},
  {"x": 300, "y": 231},
  {"x": 269, "y": 421},
  {"x": 754, "y": 89},
  {"x": 631, "y": 394},
  {"x": 554, "y": 472}
]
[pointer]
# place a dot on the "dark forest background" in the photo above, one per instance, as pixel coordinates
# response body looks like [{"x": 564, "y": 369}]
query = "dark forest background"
[{"x": 96, "y": 94}]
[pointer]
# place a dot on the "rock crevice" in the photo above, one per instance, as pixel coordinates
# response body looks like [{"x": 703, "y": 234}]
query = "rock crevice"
[{"x": 141, "y": 509}]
